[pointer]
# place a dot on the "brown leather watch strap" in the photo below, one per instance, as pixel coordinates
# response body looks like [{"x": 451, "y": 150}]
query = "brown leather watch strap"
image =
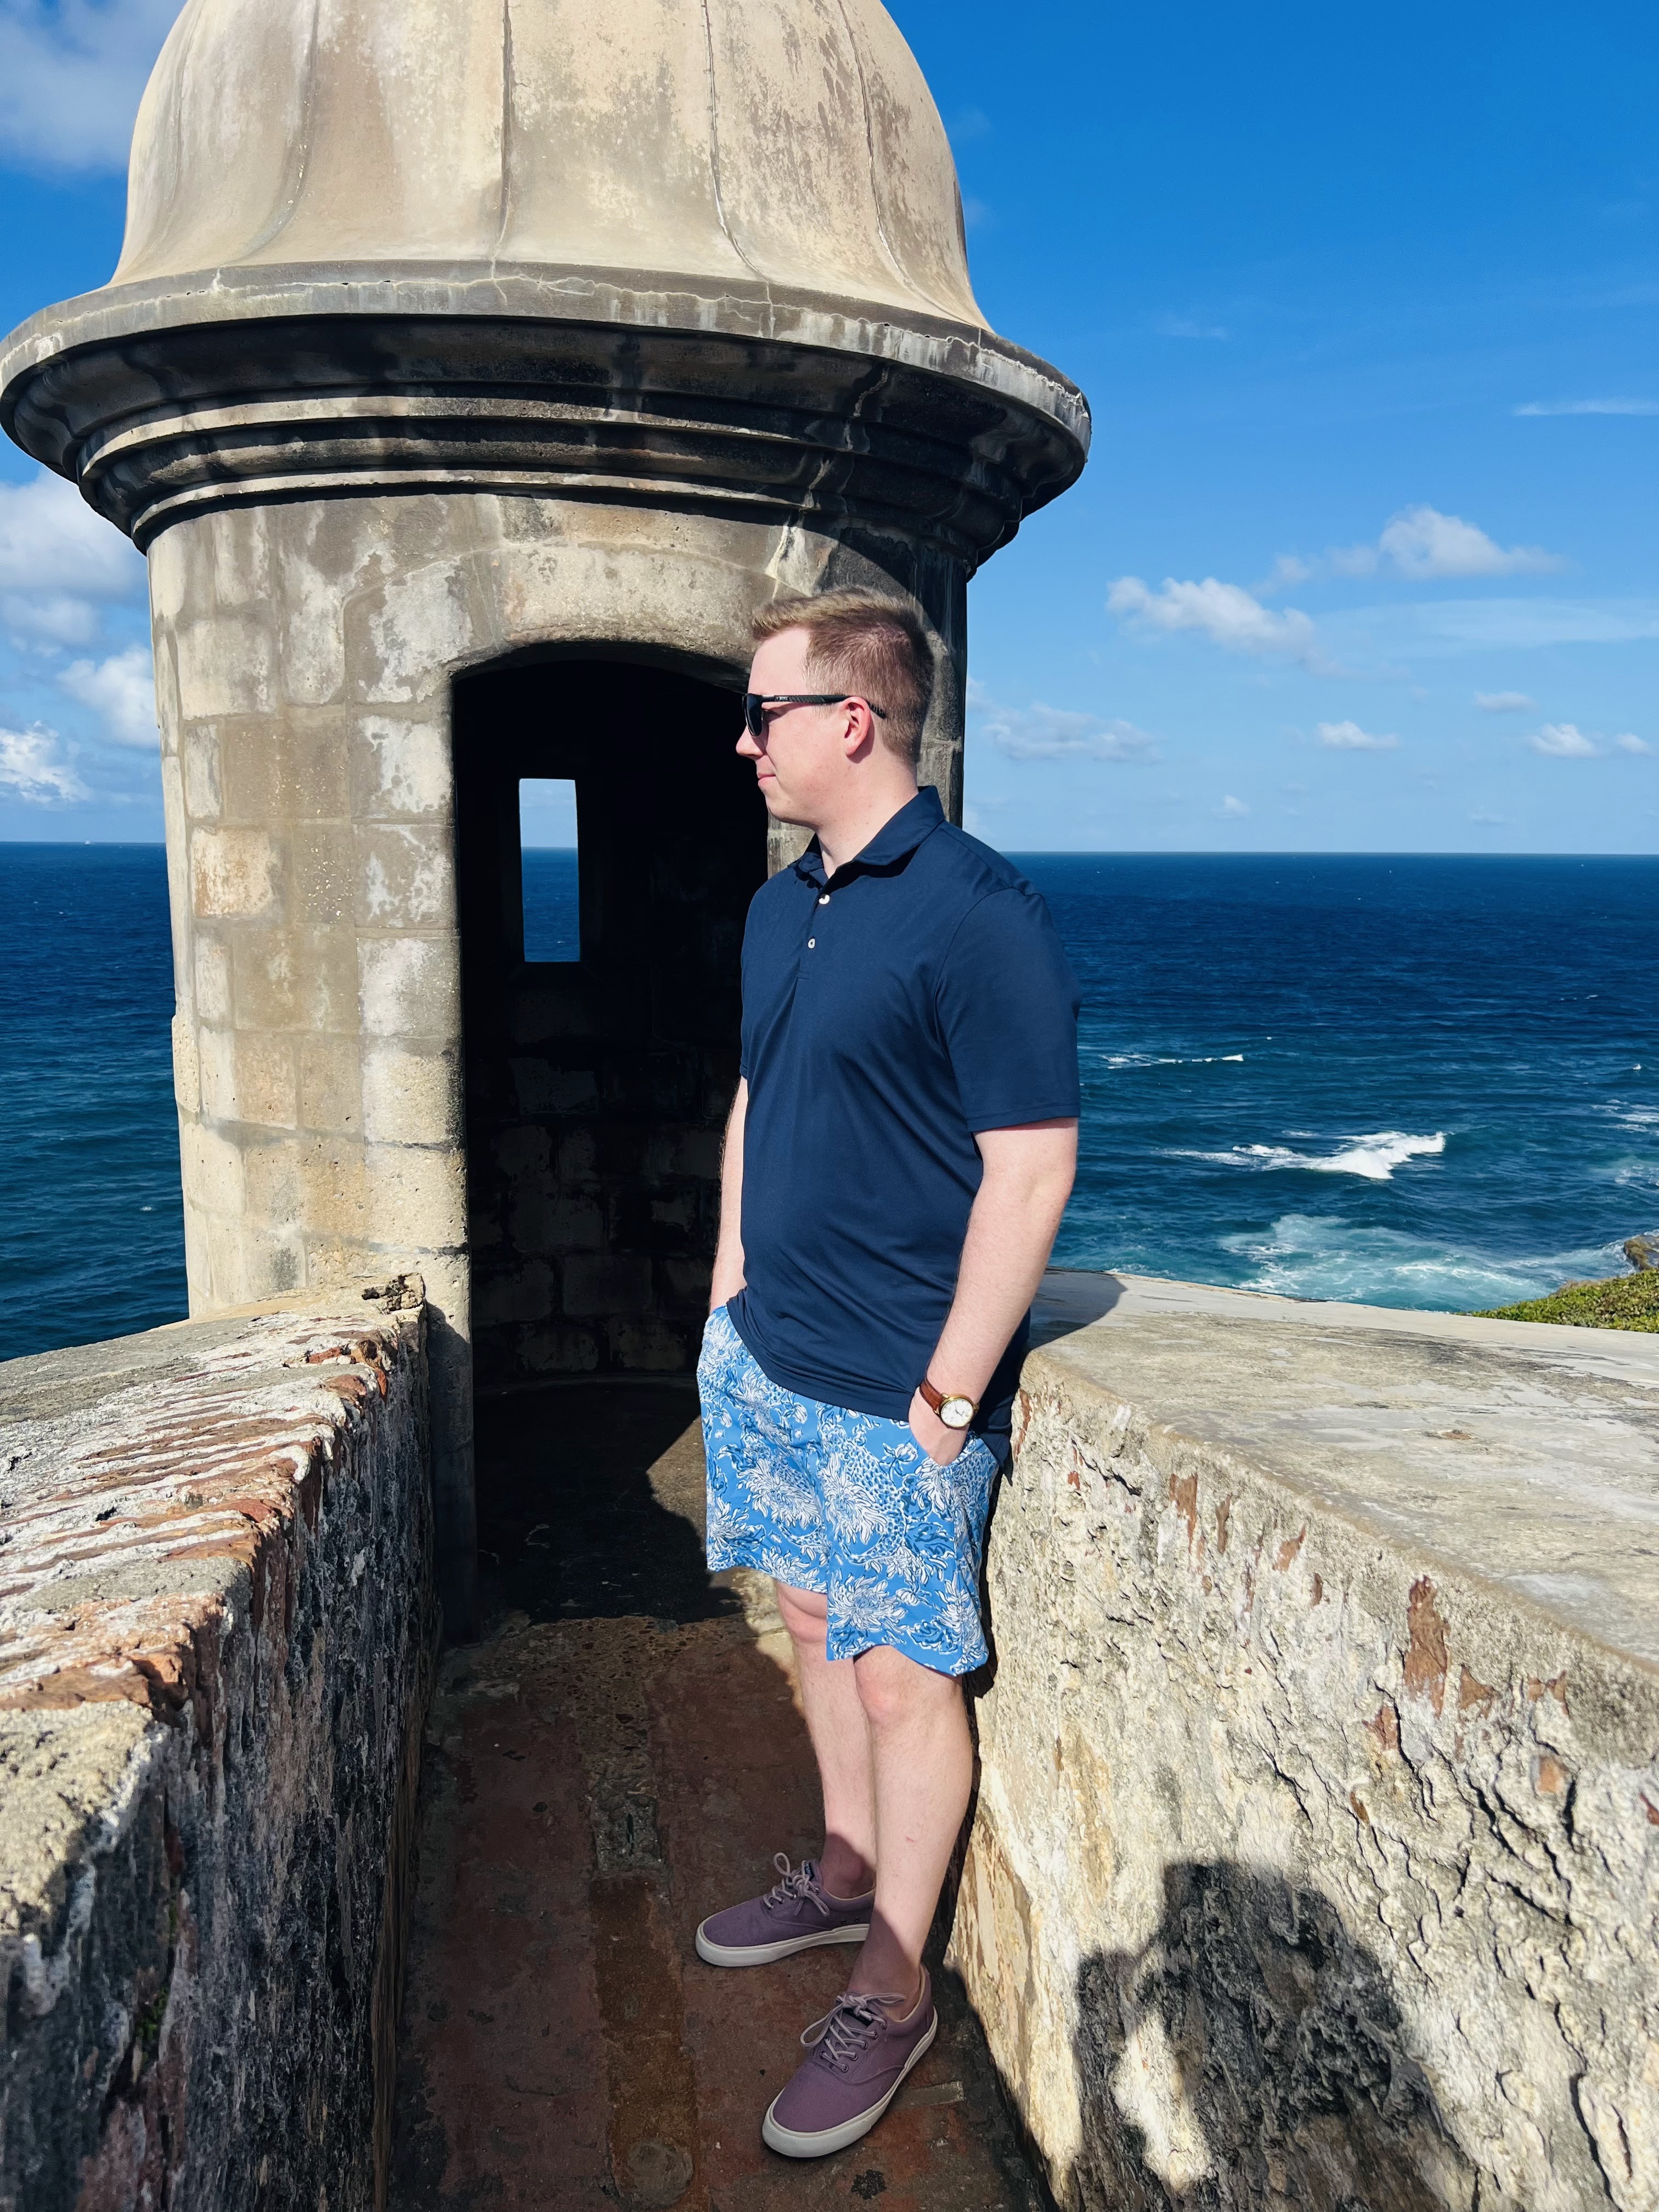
[{"x": 936, "y": 1399}]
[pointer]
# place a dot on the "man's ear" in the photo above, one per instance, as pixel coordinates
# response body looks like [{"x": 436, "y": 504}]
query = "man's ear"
[{"x": 861, "y": 729}]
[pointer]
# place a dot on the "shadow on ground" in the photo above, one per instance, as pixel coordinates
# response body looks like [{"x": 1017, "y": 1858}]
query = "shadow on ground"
[{"x": 621, "y": 1754}]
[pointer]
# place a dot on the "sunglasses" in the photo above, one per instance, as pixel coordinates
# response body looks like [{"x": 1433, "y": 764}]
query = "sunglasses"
[{"x": 755, "y": 702}]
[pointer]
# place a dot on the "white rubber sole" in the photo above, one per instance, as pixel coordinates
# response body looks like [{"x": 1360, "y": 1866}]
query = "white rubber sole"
[
  {"x": 789, "y": 2144},
  {"x": 764, "y": 1954}
]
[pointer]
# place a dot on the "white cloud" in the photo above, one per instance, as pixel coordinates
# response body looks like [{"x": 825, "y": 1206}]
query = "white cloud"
[
  {"x": 52, "y": 540},
  {"x": 1493, "y": 821},
  {"x": 57, "y": 619},
  {"x": 1627, "y": 744},
  {"x": 1421, "y": 541},
  {"x": 1040, "y": 733},
  {"x": 1563, "y": 741},
  {"x": 1418, "y": 542},
  {"x": 1590, "y": 407},
  {"x": 1504, "y": 703},
  {"x": 1231, "y": 809},
  {"x": 71, "y": 75},
  {"x": 1225, "y": 613},
  {"x": 31, "y": 769},
  {"x": 1349, "y": 737},
  {"x": 122, "y": 690},
  {"x": 59, "y": 561}
]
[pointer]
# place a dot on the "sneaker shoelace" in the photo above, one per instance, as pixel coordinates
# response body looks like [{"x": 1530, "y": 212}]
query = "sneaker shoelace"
[
  {"x": 848, "y": 2029},
  {"x": 800, "y": 1886}
]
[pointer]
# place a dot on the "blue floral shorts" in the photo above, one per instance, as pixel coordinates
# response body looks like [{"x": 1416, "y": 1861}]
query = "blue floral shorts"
[{"x": 847, "y": 1504}]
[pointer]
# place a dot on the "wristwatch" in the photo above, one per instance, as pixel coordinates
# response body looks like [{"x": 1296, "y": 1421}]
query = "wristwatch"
[{"x": 952, "y": 1408}]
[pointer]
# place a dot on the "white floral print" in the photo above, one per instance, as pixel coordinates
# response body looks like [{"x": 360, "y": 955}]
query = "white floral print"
[{"x": 847, "y": 1504}]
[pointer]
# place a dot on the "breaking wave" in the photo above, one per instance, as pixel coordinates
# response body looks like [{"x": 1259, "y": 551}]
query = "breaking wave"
[
  {"x": 1375, "y": 1158},
  {"x": 1314, "y": 1256}
]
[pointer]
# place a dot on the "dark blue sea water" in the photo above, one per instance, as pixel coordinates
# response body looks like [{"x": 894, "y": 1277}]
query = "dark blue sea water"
[{"x": 1416, "y": 1082}]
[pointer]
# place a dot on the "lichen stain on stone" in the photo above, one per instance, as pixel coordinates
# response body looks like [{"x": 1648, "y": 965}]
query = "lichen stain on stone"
[
  {"x": 1288, "y": 1550},
  {"x": 1426, "y": 1650},
  {"x": 1473, "y": 1694},
  {"x": 1183, "y": 1496}
]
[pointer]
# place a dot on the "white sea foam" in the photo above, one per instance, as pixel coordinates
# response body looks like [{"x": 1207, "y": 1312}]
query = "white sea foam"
[
  {"x": 1168, "y": 1060},
  {"x": 1375, "y": 1157},
  {"x": 1323, "y": 1256}
]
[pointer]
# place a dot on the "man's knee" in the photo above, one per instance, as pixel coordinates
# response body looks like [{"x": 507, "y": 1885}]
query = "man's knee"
[
  {"x": 894, "y": 1689},
  {"x": 805, "y": 1615}
]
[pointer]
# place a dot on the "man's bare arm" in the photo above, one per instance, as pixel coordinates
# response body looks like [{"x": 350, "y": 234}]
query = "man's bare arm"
[
  {"x": 728, "y": 1256},
  {"x": 1011, "y": 1232}
]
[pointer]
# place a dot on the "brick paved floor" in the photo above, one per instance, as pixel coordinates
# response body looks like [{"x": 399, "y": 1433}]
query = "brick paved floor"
[{"x": 621, "y": 1754}]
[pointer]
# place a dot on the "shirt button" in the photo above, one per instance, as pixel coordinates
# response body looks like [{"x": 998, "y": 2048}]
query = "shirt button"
[
  {"x": 810, "y": 942},
  {"x": 824, "y": 900}
]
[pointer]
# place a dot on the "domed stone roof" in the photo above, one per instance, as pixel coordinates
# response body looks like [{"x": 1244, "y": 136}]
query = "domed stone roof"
[
  {"x": 783, "y": 142},
  {"x": 675, "y": 251}
]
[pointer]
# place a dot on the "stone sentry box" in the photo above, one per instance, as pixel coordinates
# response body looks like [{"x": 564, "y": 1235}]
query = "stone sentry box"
[{"x": 445, "y": 341}]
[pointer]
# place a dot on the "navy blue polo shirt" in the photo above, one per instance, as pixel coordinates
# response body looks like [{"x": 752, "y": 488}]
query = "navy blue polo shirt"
[{"x": 918, "y": 996}]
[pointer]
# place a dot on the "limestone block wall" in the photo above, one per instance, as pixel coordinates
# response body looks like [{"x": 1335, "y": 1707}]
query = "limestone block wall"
[
  {"x": 1315, "y": 1858},
  {"x": 306, "y": 654},
  {"x": 215, "y": 1630}
]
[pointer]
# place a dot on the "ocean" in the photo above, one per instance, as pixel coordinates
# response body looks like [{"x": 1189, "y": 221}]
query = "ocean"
[{"x": 1414, "y": 1082}]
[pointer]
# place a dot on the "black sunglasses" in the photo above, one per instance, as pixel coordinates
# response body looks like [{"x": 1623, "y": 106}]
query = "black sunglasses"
[{"x": 754, "y": 719}]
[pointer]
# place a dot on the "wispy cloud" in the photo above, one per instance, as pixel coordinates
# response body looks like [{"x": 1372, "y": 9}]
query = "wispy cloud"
[
  {"x": 1493, "y": 821},
  {"x": 1187, "y": 326},
  {"x": 32, "y": 768},
  {"x": 1231, "y": 809},
  {"x": 1630, "y": 744},
  {"x": 71, "y": 75},
  {"x": 1590, "y": 407},
  {"x": 1504, "y": 703},
  {"x": 1042, "y": 733},
  {"x": 1563, "y": 741},
  {"x": 1436, "y": 628},
  {"x": 1420, "y": 543},
  {"x": 1349, "y": 737},
  {"x": 121, "y": 691},
  {"x": 1225, "y": 613}
]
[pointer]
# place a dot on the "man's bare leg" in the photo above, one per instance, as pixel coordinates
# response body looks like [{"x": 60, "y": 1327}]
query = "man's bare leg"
[
  {"x": 840, "y": 1740},
  {"x": 923, "y": 1757}
]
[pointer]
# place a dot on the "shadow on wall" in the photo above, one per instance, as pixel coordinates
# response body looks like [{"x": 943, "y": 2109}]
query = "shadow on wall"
[{"x": 1251, "y": 2055}]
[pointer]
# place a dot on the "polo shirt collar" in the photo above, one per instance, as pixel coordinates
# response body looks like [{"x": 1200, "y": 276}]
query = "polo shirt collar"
[{"x": 896, "y": 840}]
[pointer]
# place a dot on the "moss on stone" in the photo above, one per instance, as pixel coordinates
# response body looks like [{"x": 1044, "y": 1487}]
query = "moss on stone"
[{"x": 1621, "y": 1302}]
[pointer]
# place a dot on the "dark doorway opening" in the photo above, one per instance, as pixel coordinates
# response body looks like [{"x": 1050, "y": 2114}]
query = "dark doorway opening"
[{"x": 597, "y": 1087}]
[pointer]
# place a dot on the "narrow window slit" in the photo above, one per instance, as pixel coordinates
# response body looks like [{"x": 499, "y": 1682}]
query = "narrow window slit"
[{"x": 551, "y": 860}]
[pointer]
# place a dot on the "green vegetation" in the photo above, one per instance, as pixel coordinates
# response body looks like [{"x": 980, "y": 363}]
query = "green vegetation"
[{"x": 1622, "y": 1302}]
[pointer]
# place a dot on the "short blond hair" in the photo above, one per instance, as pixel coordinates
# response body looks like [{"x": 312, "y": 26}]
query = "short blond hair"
[{"x": 868, "y": 646}]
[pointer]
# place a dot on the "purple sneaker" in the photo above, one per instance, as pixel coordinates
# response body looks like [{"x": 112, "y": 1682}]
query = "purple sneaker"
[
  {"x": 860, "y": 2056},
  {"x": 798, "y": 1915}
]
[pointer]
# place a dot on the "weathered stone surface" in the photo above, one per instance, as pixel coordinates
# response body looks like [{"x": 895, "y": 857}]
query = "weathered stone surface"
[
  {"x": 215, "y": 1629},
  {"x": 1317, "y": 1855},
  {"x": 445, "y": 349}
]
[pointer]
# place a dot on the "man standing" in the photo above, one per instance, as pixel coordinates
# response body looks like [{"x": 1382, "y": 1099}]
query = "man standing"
[{"x": 897, "y": 1160}]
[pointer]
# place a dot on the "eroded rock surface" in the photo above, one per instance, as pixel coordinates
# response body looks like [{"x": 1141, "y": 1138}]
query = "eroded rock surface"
[
  {"x": 1316, "y": 1856},
  {"x": 215, "y": 1631}
]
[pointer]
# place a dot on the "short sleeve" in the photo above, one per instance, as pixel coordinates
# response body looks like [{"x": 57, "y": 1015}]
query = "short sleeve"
[{"x": 1007, "y": 1004}]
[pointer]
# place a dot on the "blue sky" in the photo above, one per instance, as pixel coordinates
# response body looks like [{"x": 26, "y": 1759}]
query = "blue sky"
[{"x": 1365, "y": 302}]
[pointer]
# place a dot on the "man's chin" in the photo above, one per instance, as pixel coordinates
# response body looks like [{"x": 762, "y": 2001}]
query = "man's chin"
[{"x": 782, "y": 810}]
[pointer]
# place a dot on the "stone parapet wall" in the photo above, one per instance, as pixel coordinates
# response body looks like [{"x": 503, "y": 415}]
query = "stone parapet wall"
[
  {"x": 1315, "y": 1859},
  {"x": 216, "y": 1637}
]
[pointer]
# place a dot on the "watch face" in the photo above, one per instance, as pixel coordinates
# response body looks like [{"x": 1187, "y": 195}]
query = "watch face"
[{"x": 957, "y": 1412}]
